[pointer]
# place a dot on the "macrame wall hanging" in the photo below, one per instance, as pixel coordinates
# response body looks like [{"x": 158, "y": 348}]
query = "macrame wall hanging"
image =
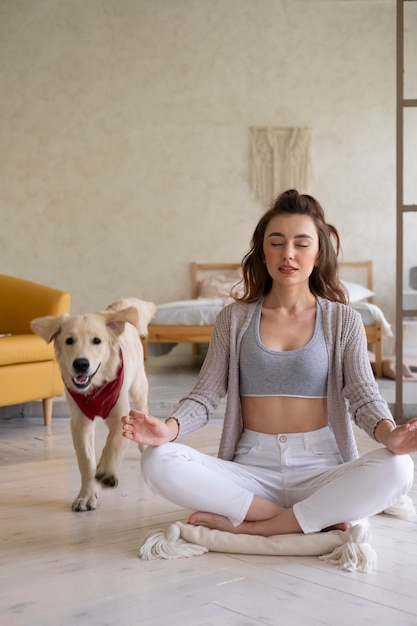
[{"x": 281, "y": 159}]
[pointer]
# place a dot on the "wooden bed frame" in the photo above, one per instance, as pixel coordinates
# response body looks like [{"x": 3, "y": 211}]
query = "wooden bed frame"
[
  {"x": 374, "y": 332},
  {"x": 200, "y": 334}
]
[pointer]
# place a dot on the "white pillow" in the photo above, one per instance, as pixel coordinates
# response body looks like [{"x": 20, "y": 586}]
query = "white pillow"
[
  {"x": 357, "y": 292},
  {"x": 311, "y": 544},
  {"x": 220, "y": 285}
]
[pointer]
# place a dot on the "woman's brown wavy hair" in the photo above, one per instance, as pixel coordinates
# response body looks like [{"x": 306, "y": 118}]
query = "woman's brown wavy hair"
[{"x": 324, "y": 280}]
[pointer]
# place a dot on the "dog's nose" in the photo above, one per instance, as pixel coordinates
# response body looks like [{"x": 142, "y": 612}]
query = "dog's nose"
[{"x": 80, "y": 365}]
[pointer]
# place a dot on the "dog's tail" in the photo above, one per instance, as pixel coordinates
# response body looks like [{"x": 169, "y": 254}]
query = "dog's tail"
[{"x": 146, "y": 311}]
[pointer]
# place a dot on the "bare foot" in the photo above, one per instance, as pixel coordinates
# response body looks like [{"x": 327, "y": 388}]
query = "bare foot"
[
  {"x": 211, "y": 520},
  {"x": 281, "y": 524},
  {"x": 342, "y": 526}
]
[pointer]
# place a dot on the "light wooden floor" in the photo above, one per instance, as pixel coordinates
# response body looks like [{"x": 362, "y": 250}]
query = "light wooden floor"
[{"x": 60, "y": 568}]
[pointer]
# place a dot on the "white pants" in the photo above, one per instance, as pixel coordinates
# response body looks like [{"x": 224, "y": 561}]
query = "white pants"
[{"x": 300, "y": 470}]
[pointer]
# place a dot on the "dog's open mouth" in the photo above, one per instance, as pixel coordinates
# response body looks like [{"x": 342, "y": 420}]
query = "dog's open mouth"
[{"x": 82, "y": 381}]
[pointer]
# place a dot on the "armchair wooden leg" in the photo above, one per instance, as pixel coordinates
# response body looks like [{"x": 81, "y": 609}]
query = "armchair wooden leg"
[{"x": 47, "y": 410}]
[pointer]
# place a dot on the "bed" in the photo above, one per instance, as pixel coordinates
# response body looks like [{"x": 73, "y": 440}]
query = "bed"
[{"x": 191, "y": 321}]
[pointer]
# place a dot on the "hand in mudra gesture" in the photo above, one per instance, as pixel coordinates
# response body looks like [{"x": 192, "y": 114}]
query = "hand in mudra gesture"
[
  {"x": 147, "y": 429},
  {"x": 403, "y": 438}
]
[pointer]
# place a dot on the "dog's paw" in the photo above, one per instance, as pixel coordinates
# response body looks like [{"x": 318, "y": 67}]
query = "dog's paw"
[
  {"x": 107, "y": 480},
  {"x": 88, "y": 503}
]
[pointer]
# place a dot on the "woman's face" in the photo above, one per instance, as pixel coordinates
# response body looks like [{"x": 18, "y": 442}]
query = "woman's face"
[{"x": 291, "y": 248}]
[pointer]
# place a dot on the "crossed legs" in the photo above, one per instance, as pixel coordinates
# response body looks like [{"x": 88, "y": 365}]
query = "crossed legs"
[{"x": 241, "y": 499}]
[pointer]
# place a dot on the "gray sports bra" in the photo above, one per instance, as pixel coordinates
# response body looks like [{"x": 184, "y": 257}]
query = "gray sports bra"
[{"x": 300, "y": 373}]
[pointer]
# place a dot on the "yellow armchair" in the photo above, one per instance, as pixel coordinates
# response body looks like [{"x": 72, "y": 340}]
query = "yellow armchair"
[{"x": 28, "y": 370}]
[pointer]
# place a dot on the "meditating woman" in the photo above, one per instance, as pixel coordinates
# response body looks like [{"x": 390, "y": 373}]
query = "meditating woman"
[{"x": 291, "y": 356}]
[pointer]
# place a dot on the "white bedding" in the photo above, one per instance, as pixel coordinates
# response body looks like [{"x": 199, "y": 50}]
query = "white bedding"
[
  {"x": 198, "y": 312},
  {"x": 203, "y": 311},
  {"x": 371, "y": 313}
]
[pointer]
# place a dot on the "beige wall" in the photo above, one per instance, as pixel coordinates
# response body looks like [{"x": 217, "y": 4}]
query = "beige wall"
[{"x": 124, "y": 134}]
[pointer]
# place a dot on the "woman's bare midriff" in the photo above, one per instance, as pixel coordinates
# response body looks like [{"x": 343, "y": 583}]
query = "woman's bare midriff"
[{"x": 283, "y": 414}]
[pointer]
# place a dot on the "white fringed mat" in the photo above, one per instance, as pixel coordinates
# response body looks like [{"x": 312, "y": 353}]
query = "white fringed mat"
[{"x": 348, "y": 550}]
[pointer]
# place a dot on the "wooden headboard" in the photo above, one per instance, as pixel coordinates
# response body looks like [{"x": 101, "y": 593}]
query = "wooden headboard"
[
  {"x": 358, "y": 272},
  {"x": 354, "y": 271}
]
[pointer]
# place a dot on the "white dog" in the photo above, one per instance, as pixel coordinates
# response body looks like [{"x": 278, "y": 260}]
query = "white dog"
[{"x": 100, "y": 356}]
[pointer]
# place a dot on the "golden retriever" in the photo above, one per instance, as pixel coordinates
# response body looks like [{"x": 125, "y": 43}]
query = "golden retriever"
[{"x": 100, "y": 356}]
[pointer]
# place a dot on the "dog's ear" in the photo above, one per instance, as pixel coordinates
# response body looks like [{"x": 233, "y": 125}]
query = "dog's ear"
[
  {"x": 116, "y": 321},
  {"x": 47, "y": 327},
  {"x": 146, "y": 311}
]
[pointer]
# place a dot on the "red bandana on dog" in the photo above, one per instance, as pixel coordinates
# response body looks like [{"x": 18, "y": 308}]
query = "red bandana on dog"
[{"x": 102, "y": 399}]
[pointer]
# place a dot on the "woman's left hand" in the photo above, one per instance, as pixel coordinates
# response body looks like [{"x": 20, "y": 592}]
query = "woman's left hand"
[{"x": 403, "y": 438}]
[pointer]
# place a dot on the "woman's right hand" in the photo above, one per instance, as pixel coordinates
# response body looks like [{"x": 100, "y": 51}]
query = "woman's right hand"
[{"x": 148, "y": 429}]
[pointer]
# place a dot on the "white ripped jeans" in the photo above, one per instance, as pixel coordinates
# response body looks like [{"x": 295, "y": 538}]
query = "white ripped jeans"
[{"x": 300, "y": 470}]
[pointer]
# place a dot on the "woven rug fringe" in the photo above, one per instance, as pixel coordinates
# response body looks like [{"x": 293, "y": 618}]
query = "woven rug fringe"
[
  {"x": 168, "y": 544},
  {"x": 403, "y": 509},
  {"x": 356, "y": 554}
]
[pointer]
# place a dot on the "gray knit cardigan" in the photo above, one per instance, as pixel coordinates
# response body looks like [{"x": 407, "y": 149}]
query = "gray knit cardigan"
[{"x": 352, "y": 393}]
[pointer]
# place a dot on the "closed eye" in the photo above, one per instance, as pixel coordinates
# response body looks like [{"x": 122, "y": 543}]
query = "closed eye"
[{"x": 298, "y": 245}]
